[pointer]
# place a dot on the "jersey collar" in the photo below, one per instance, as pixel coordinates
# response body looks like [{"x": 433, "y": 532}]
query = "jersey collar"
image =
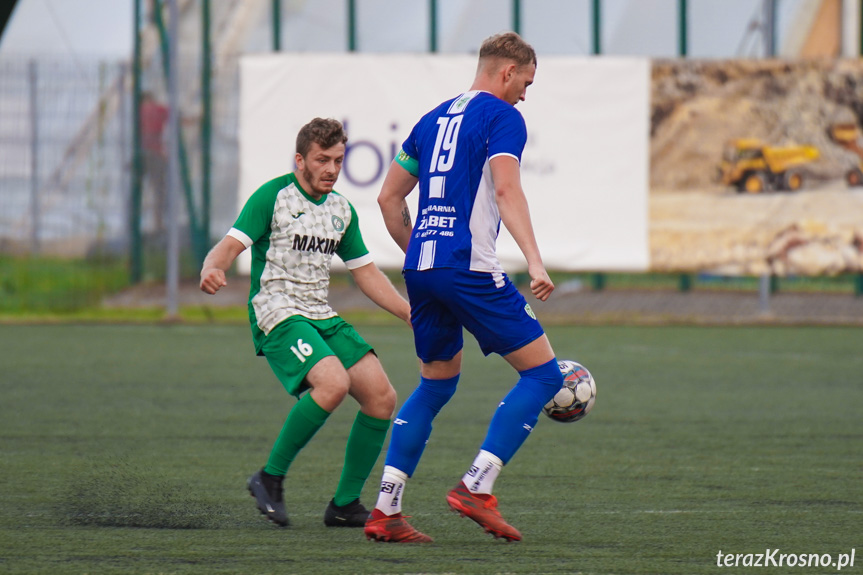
[{"x": 293, "y": 178}]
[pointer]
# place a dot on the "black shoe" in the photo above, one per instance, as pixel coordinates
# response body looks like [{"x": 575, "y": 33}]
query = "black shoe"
[
  {"x": 351, "y": 515},
  {"x": 269, "y": 495}
]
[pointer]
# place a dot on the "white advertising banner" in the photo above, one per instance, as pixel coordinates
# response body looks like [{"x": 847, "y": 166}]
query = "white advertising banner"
[{"x": 584, "y": 169}]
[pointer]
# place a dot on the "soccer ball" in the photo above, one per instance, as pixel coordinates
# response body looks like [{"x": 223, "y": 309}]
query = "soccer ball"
[{"x": 577, "y": 396}]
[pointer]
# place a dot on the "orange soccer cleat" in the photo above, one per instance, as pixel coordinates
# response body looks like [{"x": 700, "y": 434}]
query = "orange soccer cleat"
[
  {"x": 393, "y": 528},
  {"x": 481, "y": 508}
]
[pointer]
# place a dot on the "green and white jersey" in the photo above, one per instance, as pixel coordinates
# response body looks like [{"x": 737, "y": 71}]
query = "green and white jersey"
[{"x": 293, "y": 239}]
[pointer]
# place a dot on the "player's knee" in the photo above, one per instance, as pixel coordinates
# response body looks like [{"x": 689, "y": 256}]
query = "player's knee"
[
  {"x": 436, "y": 392},
  {"x": 543, "y": 380},
  {"x": 383, "y": 393},
  {"x": 387, "y": 400},
  {"x": 375, "y": 394},
  {"x": 333, "y": 389}
]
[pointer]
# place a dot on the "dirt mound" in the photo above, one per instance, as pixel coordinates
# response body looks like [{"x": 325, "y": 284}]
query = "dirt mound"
[{"x": 698, "y": 106}]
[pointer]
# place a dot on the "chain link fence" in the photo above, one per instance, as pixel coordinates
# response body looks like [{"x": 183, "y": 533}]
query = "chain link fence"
[
  {"x": 64, "y": 157},
  {"x": 66, "y": 178},
  {"x": 66, "y": 169}
]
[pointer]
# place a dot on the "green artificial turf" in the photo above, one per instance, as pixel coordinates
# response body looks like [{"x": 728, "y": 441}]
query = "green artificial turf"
[{"x": 125, "y": 449}]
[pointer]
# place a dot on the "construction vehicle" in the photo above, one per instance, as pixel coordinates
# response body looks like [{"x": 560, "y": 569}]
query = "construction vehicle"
[
  {"x": 848, "y": 136},
  {"x": 753, "y": 167}
]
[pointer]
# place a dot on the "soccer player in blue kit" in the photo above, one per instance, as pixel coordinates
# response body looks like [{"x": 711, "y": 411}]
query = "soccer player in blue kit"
[{"x": 465, "y": 154}]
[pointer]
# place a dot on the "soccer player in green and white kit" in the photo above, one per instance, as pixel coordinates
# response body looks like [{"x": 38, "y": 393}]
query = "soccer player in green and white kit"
[{"x": 294, "y": 224}]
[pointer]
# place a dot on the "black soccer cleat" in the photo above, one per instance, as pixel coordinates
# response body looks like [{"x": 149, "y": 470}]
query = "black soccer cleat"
[
  {"x": 354, "y": 514},
  {"x": 269, "y": 494}
]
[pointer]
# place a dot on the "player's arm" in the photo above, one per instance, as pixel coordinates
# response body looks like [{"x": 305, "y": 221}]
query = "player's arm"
[
  {"x": 398, "y": 183},
  {"x": 378, "y": 288},
  {"x": 218, "y": 262},
  {"x": 515, "y": 215}
]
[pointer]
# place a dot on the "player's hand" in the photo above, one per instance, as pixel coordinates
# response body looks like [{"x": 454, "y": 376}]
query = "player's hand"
[
  {"x": 212, "y": 280},
  {"x": 540, "y": 284}
]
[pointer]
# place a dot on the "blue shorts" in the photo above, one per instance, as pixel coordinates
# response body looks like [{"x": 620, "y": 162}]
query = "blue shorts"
[{"x": 488, "y": 305}]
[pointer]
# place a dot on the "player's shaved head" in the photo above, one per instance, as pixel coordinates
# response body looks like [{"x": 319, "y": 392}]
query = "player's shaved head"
[
  {"x": 324, "y": 132},
  {"x": 507, "y": 46},
  {"x": 506, "y": 67}
]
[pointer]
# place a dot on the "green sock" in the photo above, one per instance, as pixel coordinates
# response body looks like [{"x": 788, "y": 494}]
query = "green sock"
[
  {"x": 304, "y": 420},
  {"x": 364, "y": 445}
]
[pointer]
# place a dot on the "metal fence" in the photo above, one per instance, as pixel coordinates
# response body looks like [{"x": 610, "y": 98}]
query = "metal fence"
[
  {"x": 66, "y": 169},
  {"x": 63, "y": 156},
  {"x": 66, "y": 156}
]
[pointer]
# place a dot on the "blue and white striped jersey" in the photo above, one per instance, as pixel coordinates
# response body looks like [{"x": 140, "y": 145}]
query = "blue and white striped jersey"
[{"x": 449, "y": 151}]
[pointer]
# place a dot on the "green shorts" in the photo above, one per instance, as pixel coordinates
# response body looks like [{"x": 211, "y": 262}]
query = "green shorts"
[{"x": 298, "y": 343}]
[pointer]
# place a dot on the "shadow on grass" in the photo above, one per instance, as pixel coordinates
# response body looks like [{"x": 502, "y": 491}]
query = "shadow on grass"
[{"x": 116, "y": 493}]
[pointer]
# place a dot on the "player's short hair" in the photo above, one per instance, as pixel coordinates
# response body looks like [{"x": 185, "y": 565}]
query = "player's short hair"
[
  {"x": 324, "y": 132},
  {"x": 508, "y": 46}
]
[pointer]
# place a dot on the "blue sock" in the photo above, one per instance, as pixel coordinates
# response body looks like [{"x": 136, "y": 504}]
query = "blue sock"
[
  {"x": 413, "y": 424},
  {"x": 517, "y": 414}
]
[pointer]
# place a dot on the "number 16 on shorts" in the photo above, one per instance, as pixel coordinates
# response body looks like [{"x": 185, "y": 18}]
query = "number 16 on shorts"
[{"x": 302, "y": 350}]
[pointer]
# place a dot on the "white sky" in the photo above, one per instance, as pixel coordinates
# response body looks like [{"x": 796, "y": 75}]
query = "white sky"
[
  {"x": 99, "y": 28},
  {"x": 717, "y": 28}
]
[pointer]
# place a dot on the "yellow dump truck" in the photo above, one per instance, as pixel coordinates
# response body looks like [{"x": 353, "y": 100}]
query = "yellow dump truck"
[
  {"x": 848, "y": 136},
  {"x": 753, "y": 167}
]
